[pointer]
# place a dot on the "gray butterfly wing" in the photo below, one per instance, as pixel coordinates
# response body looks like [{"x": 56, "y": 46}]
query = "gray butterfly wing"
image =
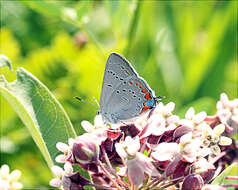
[
  {"x": 123, "y": 91},
  {"x": 116, "y": 72},
  {"x": 127, "y": 101}
]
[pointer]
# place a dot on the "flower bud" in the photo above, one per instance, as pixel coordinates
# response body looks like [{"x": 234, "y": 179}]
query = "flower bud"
[
  {"x": 85, "y": 149},
  {"x": 74, "y": 181},
  {"x": 192, "y": 182}
]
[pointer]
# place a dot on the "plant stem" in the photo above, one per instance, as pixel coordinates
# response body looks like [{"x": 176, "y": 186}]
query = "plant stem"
[
  {"x": 132, "y": 28},
  {"x": 109, "y": 175},
  {"x": 112, "y": 170}
]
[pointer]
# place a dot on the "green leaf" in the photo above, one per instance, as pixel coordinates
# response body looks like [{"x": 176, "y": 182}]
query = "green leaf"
[
  {"x": 45, "y": 7},
  {"x": 4, "y": 61},
  {"x": 220, "y": 180},
  {"x": 42, "y": 114}
]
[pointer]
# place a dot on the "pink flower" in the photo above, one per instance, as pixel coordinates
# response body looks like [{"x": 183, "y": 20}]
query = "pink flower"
[
  {"x": 191, "y": 120},
  {"x": 166, "y": 151},
  {"x": 212, "y": 138},
  {"x": 66, "y": 149},
  {"x": 190, "y": 148},
  {"x": 60, "y": 173},
  {"x": 160, "y": 121},
  {"x": 129, "y": 147},
  {"x": 227, "y": 112},
  {"x": 138, "y": 166},
  {"x": 99, "y": 129}
]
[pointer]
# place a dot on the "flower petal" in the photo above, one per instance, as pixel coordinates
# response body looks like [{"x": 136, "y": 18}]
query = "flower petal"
[
  {"x": 61, "y": 158},
  {"x": 224, "y": 99},
  {"x": 120, "y": 150},
  {"x": 198, "y": 118},
  {"x": 186, "y": 138},
  {"x": 169, "y": 108},
  {"x": 4, "y": 170},
  {"x": 190, "y": 113},
  {"x": 15, "y": 175},
  {"x": 215, "y": 149},
  {"x": 98, "y": 121},
  {"x": 62, "y": 147},
  {"x": 225, "y": 141},
  {"x": 134, "y": 146},
  {"x": 135, "y": 172},
  {"x": 88, "y": 127},
  {"x": 58, "y": 171},
  {"x": 219, "y": 129},
  {"x": 165, "y": 151},
  {"x": 55, "y": 182},
  {"x": 68, "y": 168}
]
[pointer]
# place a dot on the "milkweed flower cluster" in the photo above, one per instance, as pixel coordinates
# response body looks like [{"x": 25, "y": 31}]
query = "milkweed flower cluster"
[
  {"x": 9, "y": 180},
  {"x": 157, "y": 151}
]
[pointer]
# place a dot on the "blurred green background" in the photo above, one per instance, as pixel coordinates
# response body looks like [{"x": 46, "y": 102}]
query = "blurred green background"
[{"x": 186, "y": 51}]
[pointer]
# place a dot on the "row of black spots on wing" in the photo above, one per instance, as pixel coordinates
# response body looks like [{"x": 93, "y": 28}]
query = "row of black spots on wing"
[
  {"x": 133, "y": 93},
  {"x": 121, "y": 79},
  {"x": 109, "y": 71}
]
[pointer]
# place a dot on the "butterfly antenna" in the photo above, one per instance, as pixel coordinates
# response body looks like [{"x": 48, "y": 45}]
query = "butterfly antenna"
[
  {"x": 96, "y": 102},
  {"x": 160, "y": 98},
  {"x": 82, "y": 100}
]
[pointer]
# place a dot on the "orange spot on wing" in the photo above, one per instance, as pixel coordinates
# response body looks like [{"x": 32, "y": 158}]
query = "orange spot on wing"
[
  {"x": 144, "y": 90},
  {"x": 131, "y": 82},
  {"x": 147, "y": 96},
  {"x": 127, "y": 72},
  {"x": 145, "y": 108},
  {"x": 141, "y": 86}
]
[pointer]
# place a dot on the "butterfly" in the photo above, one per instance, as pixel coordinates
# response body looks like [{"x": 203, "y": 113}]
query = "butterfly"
[{"x": 124, "y": 95}]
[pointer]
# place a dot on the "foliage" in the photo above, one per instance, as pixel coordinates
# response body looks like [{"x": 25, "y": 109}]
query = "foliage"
[{"x": 185, "y": 51}]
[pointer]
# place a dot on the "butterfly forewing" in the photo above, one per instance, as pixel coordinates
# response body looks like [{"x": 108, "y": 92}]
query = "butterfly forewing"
[{"x": 116, "y": 72}]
